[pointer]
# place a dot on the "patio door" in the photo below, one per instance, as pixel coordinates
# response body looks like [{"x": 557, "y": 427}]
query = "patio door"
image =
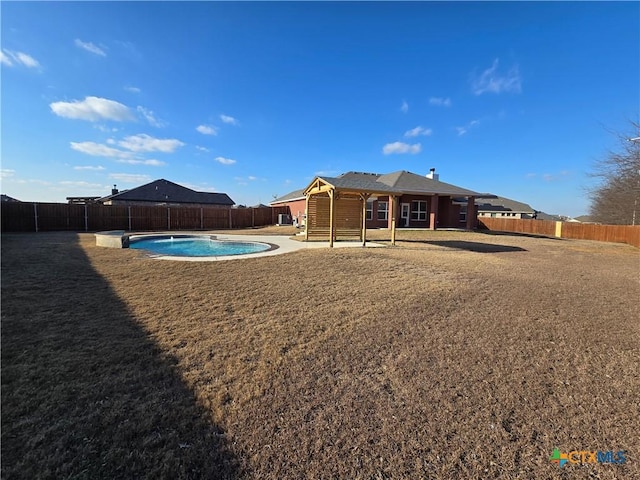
[{"x": 405, "y": 212}]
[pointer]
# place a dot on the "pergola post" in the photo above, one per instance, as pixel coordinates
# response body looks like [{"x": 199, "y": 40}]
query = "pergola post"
[
  {"x": 433, "y": 213},
  {"x": 364, "y": 197},
  {"x": 306, "y": 220},
  {"x": 394, "y": 210},
  {"x": 331, "y": 216}
]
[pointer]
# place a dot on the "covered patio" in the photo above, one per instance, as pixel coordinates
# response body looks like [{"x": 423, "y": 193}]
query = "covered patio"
[{"x": 337, "y": 208}]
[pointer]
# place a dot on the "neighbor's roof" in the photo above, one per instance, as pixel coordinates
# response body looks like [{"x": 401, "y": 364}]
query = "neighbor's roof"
[
  {"x": 400, "y": 182},
  {"x": 8, "y": 199},
  {"x": 502, "y": 204},
  {"x": 295, "y": 195},
  {"x": 164, "y": 191}
]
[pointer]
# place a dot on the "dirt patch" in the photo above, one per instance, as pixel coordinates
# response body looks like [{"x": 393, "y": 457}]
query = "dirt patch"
[{"x": 452, "y": 355}]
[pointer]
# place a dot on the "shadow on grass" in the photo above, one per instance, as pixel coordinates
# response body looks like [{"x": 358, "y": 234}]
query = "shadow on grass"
[
  {"x": 469, "y": 246},
  {"x": 85, "y": 392}
]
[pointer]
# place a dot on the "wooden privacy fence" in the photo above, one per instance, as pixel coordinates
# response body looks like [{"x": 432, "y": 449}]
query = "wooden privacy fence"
[
  {"x": 37, "y": 217},
  {"x": 579, "y": 231}
]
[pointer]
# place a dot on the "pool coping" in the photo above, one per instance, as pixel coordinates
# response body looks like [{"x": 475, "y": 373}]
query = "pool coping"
[{"x": 283, "y": 244}]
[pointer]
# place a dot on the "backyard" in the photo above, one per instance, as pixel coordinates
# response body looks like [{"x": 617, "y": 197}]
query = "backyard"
[{"x": 452, "y": 355}]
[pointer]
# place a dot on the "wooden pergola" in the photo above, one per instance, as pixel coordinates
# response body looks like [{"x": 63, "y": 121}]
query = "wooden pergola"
[{"x": 344, "y": 218}]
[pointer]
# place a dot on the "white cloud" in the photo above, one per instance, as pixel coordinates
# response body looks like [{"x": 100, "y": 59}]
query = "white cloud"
[
  {"x": 228, "y": 119},
  {"x": 5, "y": 60},
  {"x": 21, "y": 58},
  {"x": 89, "y": 167},
  {"x": 465, "y": 129},
  {"x": 207, "y": 130},
  {"x": 252, "y": 178},
  {"x": 202, "y": 149},
  {"x": 132, "y": 89},
  {"x": 225, "y": 161},
  {"x": 145, "y": 143},
  {"x": 404, "y": 108},
  {"x": 90, "y": 47},
  {"x": 5, "y": 173},
  {"x": 150, "y": 117},
  {"x": 400, "y": 147},
  {"x": 414, "y": 132},
  {"x": 80, "y": 184},
  {"x": 491, "y": 81},
  {"x": 99, "y": 150},
  {"x": 440, "y": 102},
  {"x": 130, "y": 178},
  {"x": 93, "y": 109},
  {"x": 151, "y": 162}
]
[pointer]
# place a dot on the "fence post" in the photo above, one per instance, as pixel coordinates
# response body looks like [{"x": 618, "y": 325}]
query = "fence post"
[
  {"x": 86, "y": 219},
  {"x": 230, "y": 219},
  {"x": 253, "y": 217},
  {"x": 35, "y": 214},
  {"x": 201, "y": 218},
  {"x": 129, "y": 215},
  {"x": 168, "y": 218}
]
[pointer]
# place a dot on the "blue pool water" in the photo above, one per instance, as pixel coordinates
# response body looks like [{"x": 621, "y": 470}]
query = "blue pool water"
[{"x": 196, "y": 246}]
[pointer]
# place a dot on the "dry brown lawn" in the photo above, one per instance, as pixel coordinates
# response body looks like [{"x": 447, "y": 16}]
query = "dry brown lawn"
[{"x": 453, "y": 355}]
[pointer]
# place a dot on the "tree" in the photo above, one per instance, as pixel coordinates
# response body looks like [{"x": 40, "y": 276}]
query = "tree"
[{"x": 616, "y": 198}]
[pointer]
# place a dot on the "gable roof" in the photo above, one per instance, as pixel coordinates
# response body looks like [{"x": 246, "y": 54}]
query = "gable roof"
[
  {"x": 164, "y": 191},
  {"x": 295, "y": 195},
  {"x": 400, "y": 182}
]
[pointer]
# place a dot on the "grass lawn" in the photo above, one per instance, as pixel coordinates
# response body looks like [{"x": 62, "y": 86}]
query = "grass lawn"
[{"x": 452, "y": 355}]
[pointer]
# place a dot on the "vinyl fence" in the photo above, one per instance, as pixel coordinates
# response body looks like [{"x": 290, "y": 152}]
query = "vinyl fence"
[
  {"x": 580, "y": 231},
  {"x": 40, "y": 217}
]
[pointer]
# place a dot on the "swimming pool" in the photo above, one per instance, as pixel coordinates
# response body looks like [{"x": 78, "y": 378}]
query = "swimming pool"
[{"x": 194, "y": 246}]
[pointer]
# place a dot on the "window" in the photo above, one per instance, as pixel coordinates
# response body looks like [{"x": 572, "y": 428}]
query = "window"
[
  {"x": 419, "y": 210},
  {"x": 369, "y": 215},
  {"x": 463, "y": 216},
  {"x": 383, "y": 210}
]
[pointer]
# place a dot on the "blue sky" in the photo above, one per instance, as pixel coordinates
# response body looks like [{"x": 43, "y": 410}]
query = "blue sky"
[{"x": 255, "y": 99}]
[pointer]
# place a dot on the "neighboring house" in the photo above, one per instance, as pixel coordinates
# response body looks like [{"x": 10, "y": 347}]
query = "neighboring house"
[
  {"x": 420, "y": 201},
  {"x": 501, "y": 207},
  {"x": 165, "y": 193},
  {"x": 7, "y": 199},
  {"x": 584, "y": 219},
  {"x": 297, "y": 203}
]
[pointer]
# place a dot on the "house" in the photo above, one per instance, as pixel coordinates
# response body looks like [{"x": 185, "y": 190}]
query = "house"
[
  {"x": 501, "y": 207},
  {"x": 165, "y": 193},
  {"x": 7, "y": 199},
  {"x": 348, "y": 204},
  {"x": 297, "y": 203}
]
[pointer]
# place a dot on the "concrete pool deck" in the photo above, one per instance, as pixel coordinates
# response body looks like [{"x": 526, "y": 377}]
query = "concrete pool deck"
[{"x": 284, "y": 245}]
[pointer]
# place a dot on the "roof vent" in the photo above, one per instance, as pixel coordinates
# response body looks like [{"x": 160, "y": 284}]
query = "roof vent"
[{"x": 114, "y": 190}]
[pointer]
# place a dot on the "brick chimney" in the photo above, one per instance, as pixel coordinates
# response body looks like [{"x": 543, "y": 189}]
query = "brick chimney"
[{"x": 114, "y": 190}]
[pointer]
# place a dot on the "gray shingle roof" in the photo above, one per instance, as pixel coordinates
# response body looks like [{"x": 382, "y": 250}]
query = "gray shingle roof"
[
  {"x": 164, "y": 191},
  {"x": 295, "y": 195},
  {"x": 408, "y": 182},
  {"x": 502, "y": 204},
  {"x": 396, "y": 182}
]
